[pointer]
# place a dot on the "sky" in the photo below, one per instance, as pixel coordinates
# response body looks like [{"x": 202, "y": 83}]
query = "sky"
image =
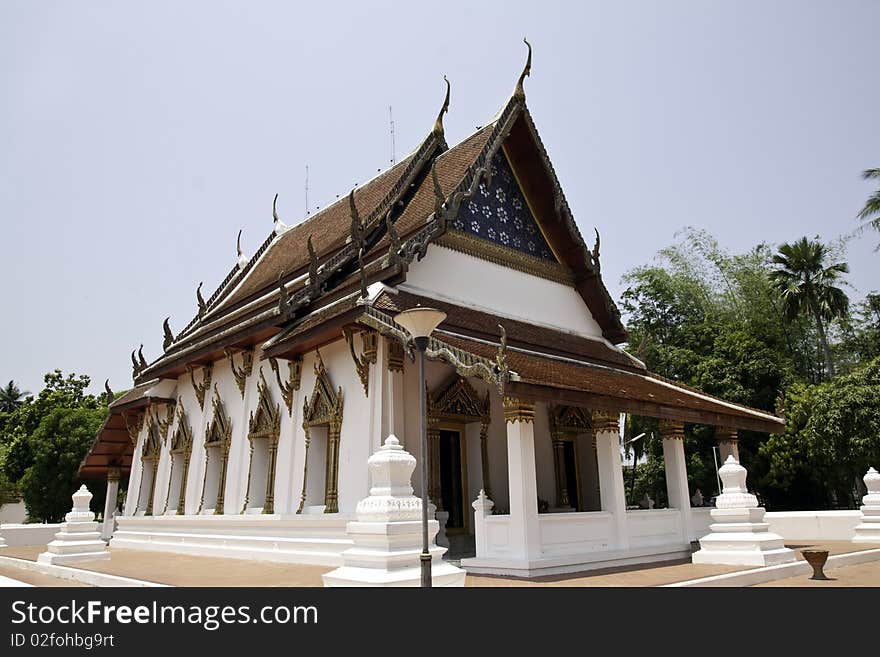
[{"x": 137, "y": 138}]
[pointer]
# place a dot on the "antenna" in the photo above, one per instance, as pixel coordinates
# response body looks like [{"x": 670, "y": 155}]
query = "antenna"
[
  {"x": 307, "y": 190},
  {"x": 391, "y": 121}
]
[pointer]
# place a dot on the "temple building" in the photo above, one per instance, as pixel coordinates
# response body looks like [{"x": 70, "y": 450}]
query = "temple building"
[{"x": 249, "y": 436}]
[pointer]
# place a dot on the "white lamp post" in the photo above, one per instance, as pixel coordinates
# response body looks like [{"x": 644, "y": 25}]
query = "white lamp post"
[{"x": 420, "y": 323}]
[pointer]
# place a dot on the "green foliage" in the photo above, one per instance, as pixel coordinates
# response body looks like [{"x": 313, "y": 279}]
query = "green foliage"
[
  {"x": 58, "y": 445},
  {"x": 807, "y": 285},
  {"x": 11, "y": 397},
  {"x": 832, "y": 437},
  {"x": 43, "y": 441},
  {"x": 744, "y": 327},
  {"x": 870, "y": 213}
]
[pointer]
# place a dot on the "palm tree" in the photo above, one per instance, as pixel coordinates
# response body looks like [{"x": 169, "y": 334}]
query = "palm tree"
[
  {"x": 871, "y": 212},
  {"x": 11, "y": 397},
  {"x": 807, "y": 287}
]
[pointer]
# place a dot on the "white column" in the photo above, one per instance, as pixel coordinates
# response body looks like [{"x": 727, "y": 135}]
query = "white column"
[
  {"x": 611, "y": 487},
  {"x": 392, "y": 381},
  {"x": 482, "y": 509},
  {"x": 525, "y": 534},
  {"x": 676, "y": 473},
  {"x": 110, "y": 503},
  {"x": 728, "y": 444}
]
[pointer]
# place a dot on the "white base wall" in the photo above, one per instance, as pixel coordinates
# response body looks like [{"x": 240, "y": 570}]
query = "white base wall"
[
  {"x": 574, "y": 563},
  {"x": 29, "y": 534},
  {"x": 308, "y": 539},
  {"x": 576, "y": 542},
  {"x": 814, "y": 525},
  {"x": 14, "y": 512}
]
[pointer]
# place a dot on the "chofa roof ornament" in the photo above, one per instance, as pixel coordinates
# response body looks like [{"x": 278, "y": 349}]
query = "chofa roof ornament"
[
  {"x": 438, "y": 124},
  {"x": 169, "y": 336},
  {"x": 280, "y": 226},
  {"x": 519, "y": 93},
  {"x": 242, "y": 258},
  {"x": 201, "y": 300}
]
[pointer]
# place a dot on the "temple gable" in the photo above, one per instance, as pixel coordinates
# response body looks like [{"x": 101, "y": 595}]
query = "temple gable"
[{"x": 499, "y": 213}]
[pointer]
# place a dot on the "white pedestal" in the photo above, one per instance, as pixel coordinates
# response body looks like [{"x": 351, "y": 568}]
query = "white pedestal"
[
  {"x": 387, "y": 534},
  {"x": 79, "y": 538},
  {"x": 739, "y": 537},
  {"x": 868, "y": 531}
]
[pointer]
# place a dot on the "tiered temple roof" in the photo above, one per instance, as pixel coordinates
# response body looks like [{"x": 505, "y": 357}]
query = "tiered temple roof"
[{"x": 307, "y": 282}]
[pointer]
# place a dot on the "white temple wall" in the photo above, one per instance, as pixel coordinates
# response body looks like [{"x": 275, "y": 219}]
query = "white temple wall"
[
  {"x": 134, "y": 477},
  {"x": 361, "y": 420},
  {"x": 355, "y": 435},
  {"x": 473, "y": 282},
  {"x": 186, "y": 396}
]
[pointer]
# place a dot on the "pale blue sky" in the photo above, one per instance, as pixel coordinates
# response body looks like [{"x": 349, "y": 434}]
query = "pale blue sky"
[{"x": 137, "y": 138}]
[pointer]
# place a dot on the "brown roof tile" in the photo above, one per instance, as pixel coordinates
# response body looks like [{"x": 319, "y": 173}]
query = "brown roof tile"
[
  {"x": 328, "y": 229},
  {"x": 613, "y": 382}
]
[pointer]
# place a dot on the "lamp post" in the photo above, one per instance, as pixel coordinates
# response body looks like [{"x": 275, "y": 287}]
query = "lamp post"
[{"x": 420, "y": 323}]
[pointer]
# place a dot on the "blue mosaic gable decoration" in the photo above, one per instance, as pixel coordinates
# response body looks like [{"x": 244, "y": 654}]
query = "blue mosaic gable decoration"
[{"x": 499, "y": 213}]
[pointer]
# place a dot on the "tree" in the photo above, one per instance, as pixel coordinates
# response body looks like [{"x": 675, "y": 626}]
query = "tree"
[
  {"x": 870, "y": 213},
  {"x": 807, "y": 286},
  {"x": 44, "y": 440},
  {"x": 11, "y": 397},
  {"x": 832, "y": 437},
  {"x": 57, "y": 447}
]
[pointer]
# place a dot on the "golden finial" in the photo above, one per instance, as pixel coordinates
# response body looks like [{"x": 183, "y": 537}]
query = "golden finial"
[
  {"x": 519, "y": 93},
  {"x": 438, "y": 124}
]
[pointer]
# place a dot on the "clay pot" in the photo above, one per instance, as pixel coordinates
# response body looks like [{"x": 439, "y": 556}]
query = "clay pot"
[{"x": 817, "y": 559}]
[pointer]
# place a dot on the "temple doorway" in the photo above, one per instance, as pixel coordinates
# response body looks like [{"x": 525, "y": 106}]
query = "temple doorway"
[
  {"x": 572, "y": 479},
  {"x": 452, "y": 497}
]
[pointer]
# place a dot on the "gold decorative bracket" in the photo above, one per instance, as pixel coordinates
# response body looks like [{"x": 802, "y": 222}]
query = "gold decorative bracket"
[
  {"x": 165, "y": 424},
  {"x": 134, "y": 428},
  {"x": 396, "y": 354},
  {"x": 247, "y": 367},
  {"x": 205, "y": 385},
  {"x": 362, "y": 363},
  {"x": 293, "y": 384}
]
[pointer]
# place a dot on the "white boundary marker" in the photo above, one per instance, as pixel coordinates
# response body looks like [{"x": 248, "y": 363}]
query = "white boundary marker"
[
  {"x": 77, "y": 574},
  {"x": 782, "y": 571}
]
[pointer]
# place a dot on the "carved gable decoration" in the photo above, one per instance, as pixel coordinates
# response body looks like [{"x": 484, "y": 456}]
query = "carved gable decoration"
[
  {"x": 153, "y": 440},
  {"x": 325, "y": 404},
  {"x": 266, "y": 422},
  {"x": 570, "y": 419},
  {"x": 459, "y": 400},
  {"x": 219, "y": 431},
  {"x": 182, "y": 440},
  {"x": 498, "y": 213}
]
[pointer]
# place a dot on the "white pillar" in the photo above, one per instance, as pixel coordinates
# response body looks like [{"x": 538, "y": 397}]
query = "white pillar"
[
  {"x": 728, "y": 443},
  {"x": 868, "y": 531},
  {"x": 393, "y": 410},
  {"x": 676, "y": 473},
  {"x": 482, "y": 509},
  {"x": 525, "y": 535},
  {"x": 110, "y": 503},
  {"x": 611, "y": 487}
]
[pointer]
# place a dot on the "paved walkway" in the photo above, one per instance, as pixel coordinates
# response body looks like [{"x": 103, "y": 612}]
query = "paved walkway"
[{"x": 189, "y": 570}]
